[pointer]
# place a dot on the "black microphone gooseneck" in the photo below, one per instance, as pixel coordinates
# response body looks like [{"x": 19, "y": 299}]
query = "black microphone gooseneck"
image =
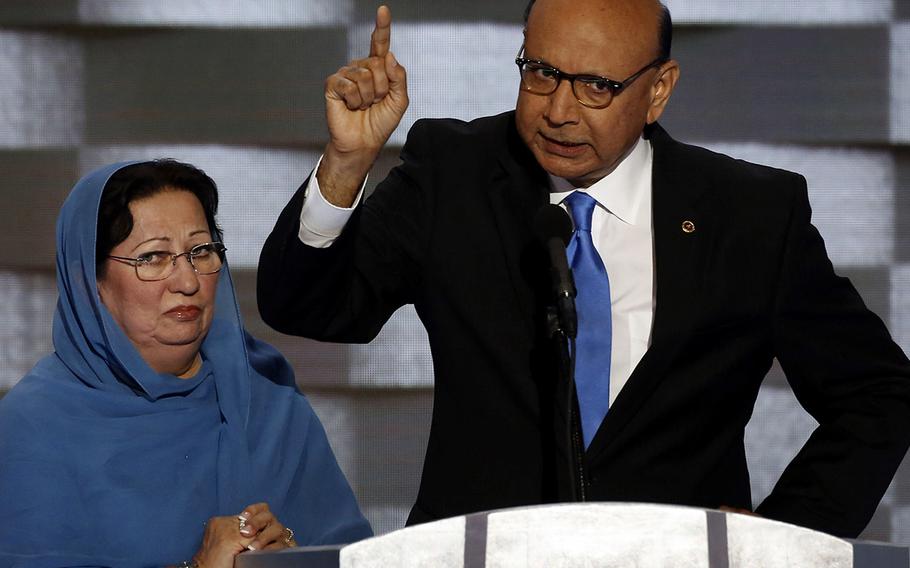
[{"x": 554, "y": 229}]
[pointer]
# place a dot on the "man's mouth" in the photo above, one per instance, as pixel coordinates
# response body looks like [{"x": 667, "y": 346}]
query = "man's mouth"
[
  {"x": 561, "y": 142},
  {"x": 563, "y": 148}
]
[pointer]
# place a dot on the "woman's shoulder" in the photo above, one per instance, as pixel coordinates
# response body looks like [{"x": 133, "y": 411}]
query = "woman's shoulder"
[
  {"x": 272, "y": 378},
  {"x": 274, "y": 396},
  {"x": 270, "y": 395},
  {"x": 34, "y": 392},
  {"x": 32, "y": 412}
]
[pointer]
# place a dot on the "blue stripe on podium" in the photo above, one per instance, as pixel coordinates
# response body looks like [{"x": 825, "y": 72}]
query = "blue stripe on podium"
[
  {"x": 718, "y": 557},
  {"x": 475, "y": 541}
]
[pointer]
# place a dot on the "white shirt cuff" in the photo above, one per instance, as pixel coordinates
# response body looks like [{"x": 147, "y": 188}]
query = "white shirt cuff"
[{"x": 320, "y": 221}]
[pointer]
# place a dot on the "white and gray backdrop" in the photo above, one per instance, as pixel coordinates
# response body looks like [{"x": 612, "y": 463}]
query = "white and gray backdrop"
[{"x": 235, "y": 87}]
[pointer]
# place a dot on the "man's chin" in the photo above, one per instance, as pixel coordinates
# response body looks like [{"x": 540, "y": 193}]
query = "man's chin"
[
  {"x": 578, "y": 177},
  {"x": 574, "y": 168}
]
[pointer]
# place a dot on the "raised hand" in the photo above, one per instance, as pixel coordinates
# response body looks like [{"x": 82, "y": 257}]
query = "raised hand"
[{"x": 364, "y": 102}]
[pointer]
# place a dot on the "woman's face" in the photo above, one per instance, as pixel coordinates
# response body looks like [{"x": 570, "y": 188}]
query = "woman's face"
[{"x": 166, "y": 320}]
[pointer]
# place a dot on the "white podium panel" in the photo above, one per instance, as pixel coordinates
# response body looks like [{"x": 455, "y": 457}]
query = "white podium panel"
[
  {"x": 757, "y": 542},
  {"x": 433, "y": 544},
  {"x": 595, "y": 535}
]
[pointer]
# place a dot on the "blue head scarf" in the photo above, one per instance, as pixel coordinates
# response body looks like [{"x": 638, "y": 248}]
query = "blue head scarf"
[{"x": 105, "y": 462}]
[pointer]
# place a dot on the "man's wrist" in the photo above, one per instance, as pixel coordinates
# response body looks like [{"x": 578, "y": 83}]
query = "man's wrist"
[
  {"x": 341, "y": 174},
  {"x": 321, "y": 222}
]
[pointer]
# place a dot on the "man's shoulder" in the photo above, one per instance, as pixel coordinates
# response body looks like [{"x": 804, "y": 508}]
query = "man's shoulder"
[
  {"x": 691, "y": 159},
  {"x": 487, "y": 128}
]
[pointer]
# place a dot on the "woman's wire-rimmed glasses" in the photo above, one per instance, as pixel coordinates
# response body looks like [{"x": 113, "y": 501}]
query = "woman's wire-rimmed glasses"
[
  {"x": 207, "y": 258},
  {"x": 592, "y": 91}
]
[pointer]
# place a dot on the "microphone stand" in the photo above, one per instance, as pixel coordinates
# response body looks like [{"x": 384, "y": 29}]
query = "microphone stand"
[
  {"x": 554, "y": 229},
  {"x": 565, "y": 347}
]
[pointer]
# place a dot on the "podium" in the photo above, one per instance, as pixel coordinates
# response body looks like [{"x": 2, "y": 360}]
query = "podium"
[{"x": 595, "y": 535}]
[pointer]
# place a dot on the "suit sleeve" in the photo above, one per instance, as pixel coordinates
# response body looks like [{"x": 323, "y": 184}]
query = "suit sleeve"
[
  {"x": 347, "y": 291},
  {"x": 848, "y": 373}
]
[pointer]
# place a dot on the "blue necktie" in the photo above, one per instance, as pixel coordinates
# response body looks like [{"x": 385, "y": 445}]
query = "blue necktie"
[{"x": 595, "y": 324}]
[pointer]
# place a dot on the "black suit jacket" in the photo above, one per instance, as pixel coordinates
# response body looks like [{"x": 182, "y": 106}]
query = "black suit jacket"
[{"x": 449, "y": 230}]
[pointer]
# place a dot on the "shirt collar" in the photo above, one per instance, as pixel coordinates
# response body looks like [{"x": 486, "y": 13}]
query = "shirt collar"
[{"x": 623, "y": 191}]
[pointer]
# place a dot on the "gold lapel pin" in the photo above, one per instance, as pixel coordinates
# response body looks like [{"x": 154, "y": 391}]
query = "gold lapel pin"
[{"x": 688, "y": 227}]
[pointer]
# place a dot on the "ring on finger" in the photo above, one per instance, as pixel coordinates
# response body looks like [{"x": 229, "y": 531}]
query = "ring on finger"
[
  {"x": 242, "y": 520},
  {"x": 290, "y": 536}
]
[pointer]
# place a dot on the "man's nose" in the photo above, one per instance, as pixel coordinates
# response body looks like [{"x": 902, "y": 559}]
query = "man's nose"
[{"x": 562, "y": 107}]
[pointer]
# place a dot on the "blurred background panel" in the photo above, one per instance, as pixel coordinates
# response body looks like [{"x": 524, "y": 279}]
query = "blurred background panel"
[
  {"x": 192, "y": 85},
  {"x": 235, "y": 86}
]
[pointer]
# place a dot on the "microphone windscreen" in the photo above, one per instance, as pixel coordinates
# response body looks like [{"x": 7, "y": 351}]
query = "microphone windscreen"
[{"x": 552, "y": 221}]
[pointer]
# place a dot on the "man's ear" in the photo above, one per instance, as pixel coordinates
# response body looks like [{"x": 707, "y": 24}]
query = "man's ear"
[{"x": 662, "y": 88}]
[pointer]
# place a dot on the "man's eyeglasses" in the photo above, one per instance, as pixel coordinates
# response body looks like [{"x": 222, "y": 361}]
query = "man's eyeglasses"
[
  {"x": 207, "y": 258},
  {"x": 590, "y": 90}
]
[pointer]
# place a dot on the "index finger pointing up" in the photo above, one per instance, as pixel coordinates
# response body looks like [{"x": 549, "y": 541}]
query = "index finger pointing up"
[{"x": 382, "y": 33}]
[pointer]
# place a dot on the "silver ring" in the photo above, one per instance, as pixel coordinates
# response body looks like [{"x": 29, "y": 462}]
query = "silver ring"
[
  {"x": 242, "y": 522},
  {"x": 290, "y": 536}
]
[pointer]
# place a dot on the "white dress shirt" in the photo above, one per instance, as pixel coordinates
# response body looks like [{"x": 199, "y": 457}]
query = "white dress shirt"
[
  {"x": 621, "y": 230},
  {"x": 320, "y": 221},
  {"x": 622, "y": 233}
]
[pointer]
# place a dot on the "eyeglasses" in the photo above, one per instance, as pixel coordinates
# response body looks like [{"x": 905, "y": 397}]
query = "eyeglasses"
[
  {"x": 207, "y": 258},
  {"x": 590, "y": 90}
]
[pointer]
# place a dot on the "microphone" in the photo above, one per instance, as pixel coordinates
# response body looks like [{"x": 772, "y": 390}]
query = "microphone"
[{"x": 554, "y": 229}]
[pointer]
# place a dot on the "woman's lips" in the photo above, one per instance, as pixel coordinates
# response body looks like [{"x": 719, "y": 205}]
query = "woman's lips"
[
  {"x": 184, "y": 313},
  {"x": 562, "y": 148}
]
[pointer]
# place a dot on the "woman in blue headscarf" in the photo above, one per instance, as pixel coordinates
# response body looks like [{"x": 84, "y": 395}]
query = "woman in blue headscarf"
[{"x": 159, "y": 432}]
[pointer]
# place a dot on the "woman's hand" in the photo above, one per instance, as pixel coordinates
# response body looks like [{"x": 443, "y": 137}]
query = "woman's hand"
[
  {"x": 221, "y": 542},
  {"x": 267, "y": 531},
  {"x": 256, "y": 528}
]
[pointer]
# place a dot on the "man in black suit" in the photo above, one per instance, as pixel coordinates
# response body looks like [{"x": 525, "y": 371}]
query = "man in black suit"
[{"x": 705, "y": 269}]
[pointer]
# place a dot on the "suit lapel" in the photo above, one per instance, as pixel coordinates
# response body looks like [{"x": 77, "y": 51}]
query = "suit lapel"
[
  {"x": 683, "y": 233},
  {"x": 517, "y": 189}
]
